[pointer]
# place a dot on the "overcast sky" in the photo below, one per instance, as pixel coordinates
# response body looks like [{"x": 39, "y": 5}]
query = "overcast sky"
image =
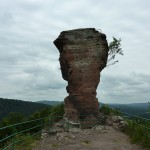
[{"x": 29, "y": 67}]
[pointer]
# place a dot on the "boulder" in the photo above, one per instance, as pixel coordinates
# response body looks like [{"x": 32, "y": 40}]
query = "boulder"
[
  {"x": 117, "y": 119},
  {"x": 109, "y": 121}
]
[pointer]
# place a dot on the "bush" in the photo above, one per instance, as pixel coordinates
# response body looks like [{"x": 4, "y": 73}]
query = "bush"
[
  {"x": 139, "y": 130},
  {"x": 41, "y": 119},
  {"x": 106, "y": 110}
]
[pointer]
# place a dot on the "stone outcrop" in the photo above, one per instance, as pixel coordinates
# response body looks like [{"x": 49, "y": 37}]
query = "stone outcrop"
[
  {"x": 83, "y": 55},
  {"x": 117, "y": 122}
]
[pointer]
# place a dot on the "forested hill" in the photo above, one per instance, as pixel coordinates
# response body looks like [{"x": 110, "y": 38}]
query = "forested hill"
[
  {"x": 19, "y": 106},
  {"x": 52, "y": 103},
  {"x": 138, "y": 109}
]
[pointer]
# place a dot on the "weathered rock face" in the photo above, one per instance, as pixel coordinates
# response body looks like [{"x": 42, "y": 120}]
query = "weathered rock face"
[{"x": 83, "y": 55}]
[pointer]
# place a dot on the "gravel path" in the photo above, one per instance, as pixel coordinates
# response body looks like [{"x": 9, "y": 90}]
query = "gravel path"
[{"x": 96, "y": 139}]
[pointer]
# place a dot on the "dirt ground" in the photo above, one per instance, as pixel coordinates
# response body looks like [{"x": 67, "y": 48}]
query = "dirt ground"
[{"x": 96, "y": 139}]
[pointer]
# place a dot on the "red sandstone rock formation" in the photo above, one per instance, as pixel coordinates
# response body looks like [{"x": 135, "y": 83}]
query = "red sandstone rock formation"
[{"x": 83, "y": 55}]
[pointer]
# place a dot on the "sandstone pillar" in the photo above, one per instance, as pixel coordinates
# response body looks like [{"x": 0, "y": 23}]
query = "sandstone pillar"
[{"x": 83, "y": 55}]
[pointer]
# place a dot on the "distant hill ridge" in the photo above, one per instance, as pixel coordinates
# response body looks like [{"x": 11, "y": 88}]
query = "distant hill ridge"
[
  {"x": 19, "y": 106},
  {"x": 139, "y": 109},
  {"x": 27, "y": 107},
  {"x": 52, "y": 103}
]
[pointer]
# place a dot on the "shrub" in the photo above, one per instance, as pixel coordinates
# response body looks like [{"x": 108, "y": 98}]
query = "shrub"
[{"x": 106, "y": 110}]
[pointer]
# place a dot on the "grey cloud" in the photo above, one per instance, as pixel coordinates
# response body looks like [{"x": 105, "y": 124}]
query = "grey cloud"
[
  {"x": 29, "y": 66},
  {"x": 31, "y": 82},
  {"x": 6, "y": 19},
  {"x": 124, "y": 89}
]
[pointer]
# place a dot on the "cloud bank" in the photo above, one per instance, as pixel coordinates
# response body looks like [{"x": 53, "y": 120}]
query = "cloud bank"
[{"x": 29, "y": 67}]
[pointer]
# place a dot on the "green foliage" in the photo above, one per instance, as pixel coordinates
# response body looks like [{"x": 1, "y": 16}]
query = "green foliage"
[
  {"x": 138, "y": 128},
  {"x": 114, "y": 49},
  {"x": 59, "y": 109},
  {"x": 106, "y": 110},
  {"x": 138, "y": 109},
  {"x": 139, "y": 133},
  {"x": 57, "y": 112},
  {"x": 24, "y": 107},
  {"x": 29, "y": 143},
  {"x": 13, "y": 118},
  {"x": 45, "y": 111},
  {"x": 39, "y": 119},
  {"x": 149, "y": 107}
]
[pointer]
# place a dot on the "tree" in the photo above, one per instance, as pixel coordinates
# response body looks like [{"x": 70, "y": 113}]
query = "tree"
[
  {"x": 149, "y": 107},
  {"x": 114, "y": 49},
  {"x": 12, "y": 118}
]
